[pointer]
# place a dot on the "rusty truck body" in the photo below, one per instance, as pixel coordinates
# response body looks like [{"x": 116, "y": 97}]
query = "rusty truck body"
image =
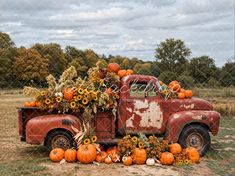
[{"x": 187, "y": 121}]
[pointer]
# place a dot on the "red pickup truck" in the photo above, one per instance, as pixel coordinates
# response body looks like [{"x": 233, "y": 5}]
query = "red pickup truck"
[{"x": 188, "y": 121}]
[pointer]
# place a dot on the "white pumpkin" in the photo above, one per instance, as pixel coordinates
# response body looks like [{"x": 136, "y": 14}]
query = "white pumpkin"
[{"x": 150, "y": 162}]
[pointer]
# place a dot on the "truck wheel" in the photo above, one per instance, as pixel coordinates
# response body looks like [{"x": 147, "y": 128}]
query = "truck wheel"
[
  {"x": 195, "y": 136},
  {"x": 59, "y": 139}
]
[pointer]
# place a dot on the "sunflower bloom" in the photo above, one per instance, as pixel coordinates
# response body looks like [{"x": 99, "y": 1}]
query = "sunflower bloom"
[
  {"x": 84, "y": 101},
  {"x": 43, "y": 93},
  {"x": 181, "y": 162},
  {"x": 186, "y": 161},
  {"x": 79, "y": 97},
  {"x": 58, "y": 99},
  {"x": 80, "y": 91},
  {"x": 72, "y": 104},
  {"x": 86, "y": 95},
  {"x": 86, "y": 91},
  {"x": 141, "y": 145},
  {"x": 165, "y": 92},
  {"x": 74, "y": 89},
  {"x": 95, "y": 98},
  {"x": 94, "y": 139},
  {"x": 47, "y": 101},
  {"x": 87, "y": 141},
  {"x": 134, "y": 139}
]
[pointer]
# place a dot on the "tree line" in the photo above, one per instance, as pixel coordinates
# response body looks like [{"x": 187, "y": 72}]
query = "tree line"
[{"x": 29, "y": 66}]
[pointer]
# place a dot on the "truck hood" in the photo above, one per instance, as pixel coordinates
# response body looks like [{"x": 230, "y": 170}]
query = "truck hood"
[{"x": 190, "y": 104}]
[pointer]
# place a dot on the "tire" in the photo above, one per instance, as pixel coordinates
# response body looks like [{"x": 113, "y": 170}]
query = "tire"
[
  {"x": 196, "y": 136},
  {"x": 59, "y": 139}
]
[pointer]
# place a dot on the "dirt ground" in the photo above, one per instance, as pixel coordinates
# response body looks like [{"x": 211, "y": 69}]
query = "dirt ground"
[{"x": 18, "y": 158}]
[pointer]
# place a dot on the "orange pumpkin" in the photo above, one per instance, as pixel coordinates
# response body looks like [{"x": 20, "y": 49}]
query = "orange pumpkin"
[
  {"x": 30, "y": 104},
  {"x": 70, "y": 155},
  {"x": 86, "y": 153},
  {"x": 172, "y": 83},
  {"x": 115, "y": 157},
  {"x": 127, "y": 160},
  {"x": 109, "y": 91},
  {"x": 161, "y": 83},
  {"x": 101, "y": 157},
  {"x": 193, "y": 154},
  {"x": 56, "y": 155},
  {"x": 38, "y": 104},
  {"x": 129, "y": 72},
  {"x": 68, "y": 94},
  {"x": 112, "y": 150},
  {"x": 182, "y": 90},
  {"x": 175, "y": 87},
  {"x": 175, "y": 148},
  {"x": 139, "y": 156},
  {"x": 122, "y": 73},
  {"x": 188, "y": 93},
  {"x": 108, "y": 160},
  {"x": 113, "y": 67},
  {"x": 167, "y": 158},
  {"x": 181, "y": 95}
]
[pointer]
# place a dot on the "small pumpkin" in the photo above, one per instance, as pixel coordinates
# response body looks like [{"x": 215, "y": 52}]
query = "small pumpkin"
[
  {"x": 181, "y": 95},
  {"x": 113, "y": 67},
  {"x": 167, "y": 158},
  {"x": 182, "y": 90},
  {"x": 193, "y": 154},
  {"x": 129, "y": 72},
  {"x": 150, "y": 162},
  {"x": 115, "y": 157},
  {"x": 30, "y": 104},
  {"x": 56, "y": 155},
  {"x": 122, "y": 73},
  {"x": 139, "y": 156},
  {"x": 112, "y": 150},
  {"x": 38, "y": 104},
  {"x": 86, "y": 153},
  {"x": 127, "y": 160},
  {"x": 68, "y": 94},
  {"x": 108, "y": 160},
  {"x": 70, "y": 155},
  {"x": 175, "y": 148},
  {"x": 161, "y": 83},
  {"x": 101, "y": 156},
  {"x": 188, "y": 93},
  {"x": 172, "y": 83},
  {"x": 175, "y": 87}
]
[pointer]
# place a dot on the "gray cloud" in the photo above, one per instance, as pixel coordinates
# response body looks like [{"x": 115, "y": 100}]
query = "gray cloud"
[{"x": 132, "y": 28}]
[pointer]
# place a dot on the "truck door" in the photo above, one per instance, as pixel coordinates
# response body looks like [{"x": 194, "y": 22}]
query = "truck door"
[{"x": 142, "y": 108}]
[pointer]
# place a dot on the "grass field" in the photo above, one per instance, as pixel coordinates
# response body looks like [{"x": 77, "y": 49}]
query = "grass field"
[{"x": 17, "y": 158}]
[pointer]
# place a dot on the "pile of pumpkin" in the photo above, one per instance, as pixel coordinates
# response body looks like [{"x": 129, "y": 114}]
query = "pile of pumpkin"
[
  {"x": 174, "y": 90},
  {"x": 130, "y": 150}
]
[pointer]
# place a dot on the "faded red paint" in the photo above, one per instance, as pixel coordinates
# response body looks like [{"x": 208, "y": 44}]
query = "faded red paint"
[{"x": 149, "y": 115}]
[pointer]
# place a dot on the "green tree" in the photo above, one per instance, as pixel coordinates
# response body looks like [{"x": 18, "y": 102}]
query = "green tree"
[
  {"x": 172, "y": 54},
  {"x": 54, "y": 53},
  {"x": 227, "y": 77},
  {"x": 202, "y": 69},
  {"x": 30, "y": 66},
  {"x": 167, "y": 76},
  {"x": 7, "y": 55},
  {"x": 5, "y": 41}
]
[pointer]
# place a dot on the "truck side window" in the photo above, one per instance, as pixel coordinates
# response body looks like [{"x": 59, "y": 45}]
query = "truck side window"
[{"x": 138, "y": 89}]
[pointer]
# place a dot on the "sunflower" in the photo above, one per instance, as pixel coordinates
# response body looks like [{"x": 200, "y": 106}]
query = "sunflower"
[
  {"x": 84, "y": 101},
  {"x": 180, "y": 162},
  {"x": 165, "y": 92},
  {"x": 43, "y": 93},
  {"x": 94, "y": 139},
  {"x": 79, "y": 97},
  {"x": 72, "y": 104},
  {"x": 186, "y": 161},
  {"x": 134, "y": 139},
  {"x": 58, "y": 99},
  {"x": 47, "y": 101},
  {"x": 86, "y": 91},
  {"x": 80, "y": 91},
  {"x": 86, "y": 95},
  {"x": 87, "y": 141},
  {"x": 74, "y": 89},
  {"x": 141, "y": 145},
  {"x": 95, "y": 98}
]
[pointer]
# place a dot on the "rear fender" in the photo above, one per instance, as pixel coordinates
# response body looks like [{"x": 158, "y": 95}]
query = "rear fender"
[
  {"x": 37, "y": 128},
  {"x": 179, "y": 120}
]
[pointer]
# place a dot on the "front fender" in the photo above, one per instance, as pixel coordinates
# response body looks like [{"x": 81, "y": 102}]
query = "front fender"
[
  {"x": 37, "y": 128},
  {"x": 179, "y": 120}
]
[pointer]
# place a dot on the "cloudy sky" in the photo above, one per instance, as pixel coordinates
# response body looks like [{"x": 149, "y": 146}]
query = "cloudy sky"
[{"x": 131, "y": 28}]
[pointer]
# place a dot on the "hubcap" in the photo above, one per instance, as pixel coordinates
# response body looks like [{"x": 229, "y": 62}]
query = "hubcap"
[
  {"x": 195, "y": 140},
  {"x": 60, "y": 141}
]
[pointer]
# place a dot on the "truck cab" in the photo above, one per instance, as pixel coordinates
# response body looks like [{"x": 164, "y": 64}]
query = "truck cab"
[{"x": 141, "y": 109}]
